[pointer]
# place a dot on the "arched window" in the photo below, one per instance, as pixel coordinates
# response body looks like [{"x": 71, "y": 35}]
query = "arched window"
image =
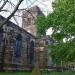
[
  {"x": 17, "y": 52},
  {"x": 18, "y": 45},
  {"x": 31, "y": 54}
]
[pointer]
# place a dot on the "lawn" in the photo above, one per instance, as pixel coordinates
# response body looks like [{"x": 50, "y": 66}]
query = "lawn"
[
  {"x": 59, "y": 73},
  {"x": 23, "y": 73}
]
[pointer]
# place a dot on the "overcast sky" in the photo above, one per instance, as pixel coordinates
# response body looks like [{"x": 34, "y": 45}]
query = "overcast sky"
[{"x": 45, "y": 6}]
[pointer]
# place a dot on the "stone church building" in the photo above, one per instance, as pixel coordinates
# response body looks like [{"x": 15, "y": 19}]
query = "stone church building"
[{"x": 19, "y": 49}]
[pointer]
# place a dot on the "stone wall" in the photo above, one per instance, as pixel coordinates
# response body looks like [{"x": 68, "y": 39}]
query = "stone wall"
[
  {"x": 19, "y": 50},
  {"x": 22, "y": 51},
  {"x": 16, "y": 44},
  {"x": 41, "y": 55}
]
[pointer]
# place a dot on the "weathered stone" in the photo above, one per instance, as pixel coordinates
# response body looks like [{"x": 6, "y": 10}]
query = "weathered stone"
[
  {"x": 25, "y": 53},
  {"x": 28, "y": 19}
]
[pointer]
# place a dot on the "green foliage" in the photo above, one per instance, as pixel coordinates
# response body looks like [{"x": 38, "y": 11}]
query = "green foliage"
[
  {"x": 63, "y": 20},
  {"x": 41, "y": 25},
  {"x": 63, "y": 17},
  {"x": 58, "y": 36},
  {"x": 63, "y": 52}
]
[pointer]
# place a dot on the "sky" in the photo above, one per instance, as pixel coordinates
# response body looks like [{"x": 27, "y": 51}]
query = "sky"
[{"x": 44, "y": 5}]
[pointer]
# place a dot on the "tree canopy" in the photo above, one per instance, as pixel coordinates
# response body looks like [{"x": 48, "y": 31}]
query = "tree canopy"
[{"x": 62, "y": 21}]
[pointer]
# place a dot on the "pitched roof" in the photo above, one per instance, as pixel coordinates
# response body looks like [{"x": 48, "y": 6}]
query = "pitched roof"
[
  {"x": 36, "y": 9},
  {"x": 9, "y": 23}
]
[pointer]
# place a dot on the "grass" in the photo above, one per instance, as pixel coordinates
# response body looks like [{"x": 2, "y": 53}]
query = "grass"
[
  {"x": 59, "y": 73},
  {"x": 25, "y": 73},
  {"x": 15, "y": 73}
]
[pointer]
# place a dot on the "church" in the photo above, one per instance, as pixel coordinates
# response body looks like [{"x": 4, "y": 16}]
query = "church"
[{"x": 20, "y": 49}]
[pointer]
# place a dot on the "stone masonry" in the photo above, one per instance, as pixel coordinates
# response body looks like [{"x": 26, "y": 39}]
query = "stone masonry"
[
  {"x": 28, "y": 19},
  {"x": 20, "y": 50}
]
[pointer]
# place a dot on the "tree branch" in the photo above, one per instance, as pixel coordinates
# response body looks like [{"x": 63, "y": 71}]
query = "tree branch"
[
  {"x": 9, "y": 17},
  {"x": 3, "y": 5}
]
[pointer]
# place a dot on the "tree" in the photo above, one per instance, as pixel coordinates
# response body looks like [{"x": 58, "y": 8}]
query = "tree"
[
  {"x": 63, "y": 52},
  {"x": 62, "y": 21},
  {"x": 3, "y": 23},
  {"x": 41, "y": 25},
  {"x": 3, "y": 5},
  {"x": 12, "y": 14}
]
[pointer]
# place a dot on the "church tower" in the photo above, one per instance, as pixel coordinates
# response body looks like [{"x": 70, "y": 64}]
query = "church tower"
[{"x": 28, "y": 19}]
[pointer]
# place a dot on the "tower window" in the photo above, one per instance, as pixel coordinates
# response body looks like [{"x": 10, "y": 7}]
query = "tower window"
[{"x": 29, "y": 21}]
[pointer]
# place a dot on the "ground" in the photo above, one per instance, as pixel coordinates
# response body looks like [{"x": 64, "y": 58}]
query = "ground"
[{"x": 24, "y": 73}]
